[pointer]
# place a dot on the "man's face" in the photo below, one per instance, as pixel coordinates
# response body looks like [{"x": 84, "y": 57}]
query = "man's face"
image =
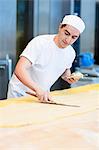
[{"x": 67, "y": 36}]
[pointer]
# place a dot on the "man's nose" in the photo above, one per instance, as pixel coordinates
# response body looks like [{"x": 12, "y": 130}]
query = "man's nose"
[{"x": 69, "y": 39}]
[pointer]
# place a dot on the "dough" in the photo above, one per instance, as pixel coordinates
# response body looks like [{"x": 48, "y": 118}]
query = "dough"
[
  {"x": 27, "y": 111},
  {"x": 76, "y": 75}
]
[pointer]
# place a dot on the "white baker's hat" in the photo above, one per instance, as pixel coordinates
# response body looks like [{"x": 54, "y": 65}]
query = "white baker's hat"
[{"x": 74, "y": 21}]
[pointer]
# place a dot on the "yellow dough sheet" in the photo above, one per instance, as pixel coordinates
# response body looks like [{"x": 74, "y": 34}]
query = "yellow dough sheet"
[{"x": 27, "y": 124}]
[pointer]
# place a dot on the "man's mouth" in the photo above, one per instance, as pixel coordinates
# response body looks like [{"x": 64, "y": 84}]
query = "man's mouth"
[{"x": 65, "y": 42}]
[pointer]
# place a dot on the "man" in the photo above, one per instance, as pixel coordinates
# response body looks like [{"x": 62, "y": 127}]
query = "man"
[{"x": 45, "y": 59}]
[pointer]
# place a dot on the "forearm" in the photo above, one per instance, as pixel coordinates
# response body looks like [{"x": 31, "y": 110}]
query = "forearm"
[
  {"x": 23, "y": 75},
  {"x": 66, "y": 74}
]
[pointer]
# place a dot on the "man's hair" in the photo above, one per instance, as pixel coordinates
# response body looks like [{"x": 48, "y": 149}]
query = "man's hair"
[{"x": 63, "y": 25}]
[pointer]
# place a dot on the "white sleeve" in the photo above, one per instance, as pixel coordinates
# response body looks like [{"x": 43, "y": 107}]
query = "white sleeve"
[
  {"x": 32, "y": 50},
  {"x": 71, "y": 58}
]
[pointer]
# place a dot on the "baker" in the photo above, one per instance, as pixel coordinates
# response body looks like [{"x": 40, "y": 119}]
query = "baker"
[{"x": 45, "y": 59}]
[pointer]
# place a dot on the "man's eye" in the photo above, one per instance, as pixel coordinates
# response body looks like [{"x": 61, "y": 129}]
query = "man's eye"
[
  {"x": 66, "y": 34},
  {"x": 74, "y": 37}
]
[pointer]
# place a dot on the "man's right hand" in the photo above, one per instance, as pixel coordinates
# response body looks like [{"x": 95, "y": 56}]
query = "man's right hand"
[{"x": 43, "y": 96}]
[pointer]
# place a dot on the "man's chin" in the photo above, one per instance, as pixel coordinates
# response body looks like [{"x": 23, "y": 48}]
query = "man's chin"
[{"x": 64, "y": 46}]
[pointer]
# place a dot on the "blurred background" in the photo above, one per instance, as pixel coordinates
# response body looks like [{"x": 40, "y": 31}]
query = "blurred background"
[{"x": 22, "y": 20}]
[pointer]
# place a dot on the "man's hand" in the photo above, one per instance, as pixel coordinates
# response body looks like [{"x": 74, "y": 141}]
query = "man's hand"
[
  {"x": 43, "y": 96},
  {"x": 75, "y": 76},
  {"x": 71, "y": 78}
]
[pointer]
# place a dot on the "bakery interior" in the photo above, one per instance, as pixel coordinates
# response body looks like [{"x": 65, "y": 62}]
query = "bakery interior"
[
  {"x": 21, "y": 20},
  {"x": 73, "y": 122}
]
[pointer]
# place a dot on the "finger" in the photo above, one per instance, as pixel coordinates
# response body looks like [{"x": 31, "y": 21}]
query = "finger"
[
  {"x": 50, "y": 99},
  {"x": 69, "y": 81},
  {"x": 45, "y": 98},
  {"x": 72, "y": 80},
  {"x": 41, "y": 99}
]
